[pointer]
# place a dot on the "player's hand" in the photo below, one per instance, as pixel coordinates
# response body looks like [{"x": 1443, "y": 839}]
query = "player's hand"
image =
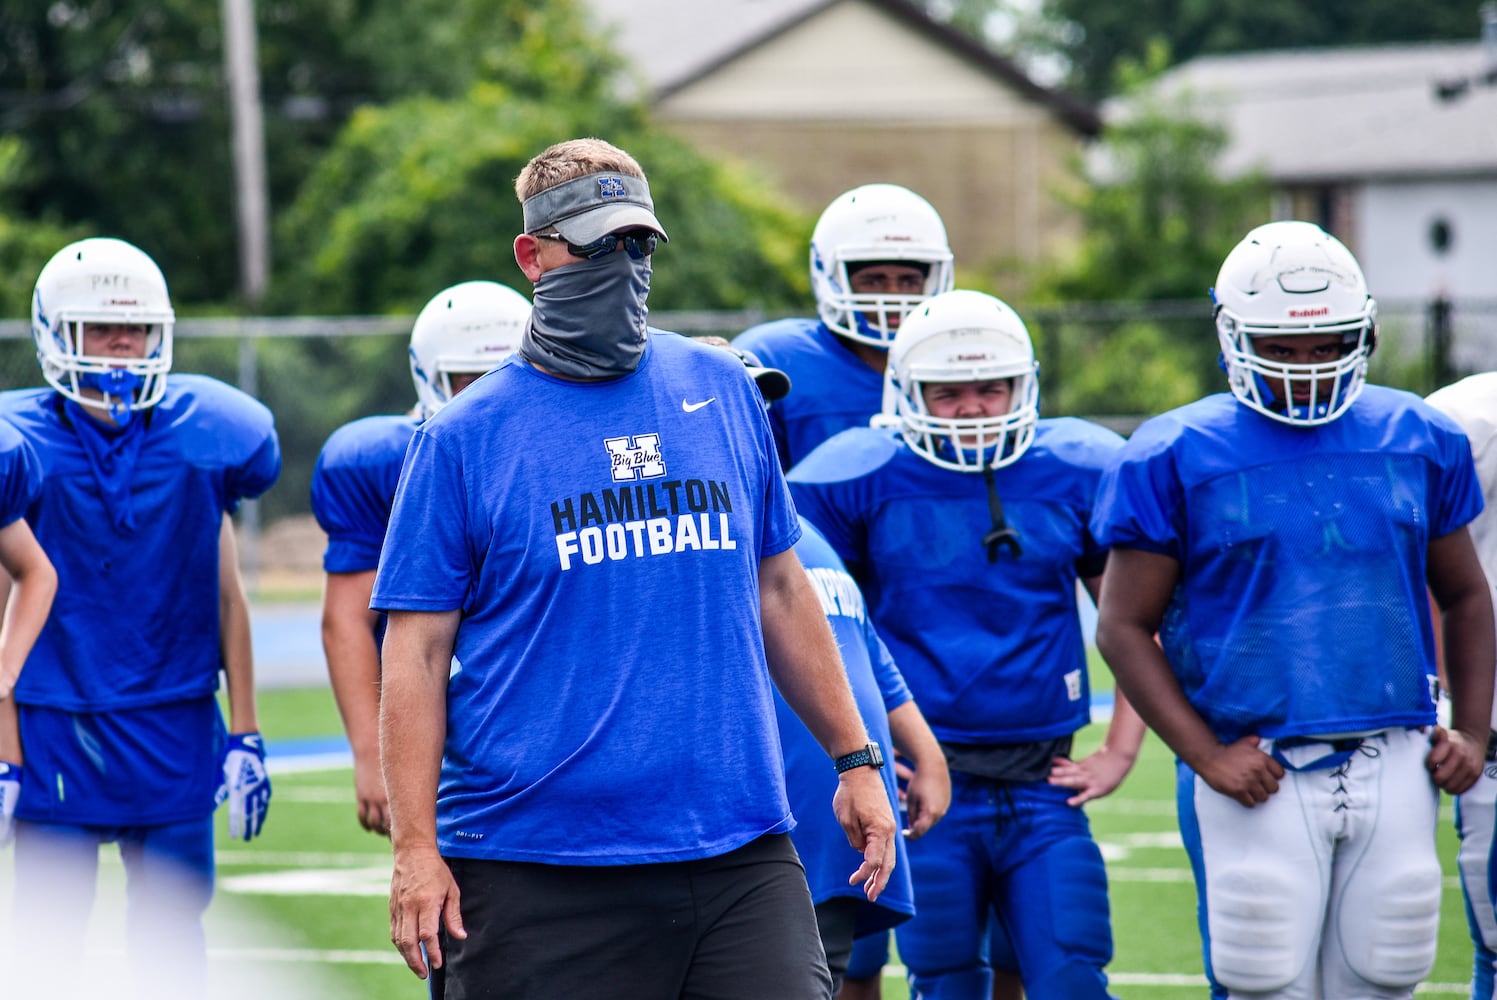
[
  {"x": 10, "y": 794},
  {"x": 246, "y": 785},
  {"x": 423, "y": 896},
  {"x": 1242, "y": 771},
  {"x": 1091, "y": 777},
  {"x": 862, "y": 807},
  {"x": 1455, "y": 759},
  {"x": 926, "y": 797},
  {"x": 369, "y": 789}
]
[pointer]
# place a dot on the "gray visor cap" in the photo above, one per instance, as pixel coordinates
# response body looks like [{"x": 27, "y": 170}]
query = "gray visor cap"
[{"x": 588, "y": 208}]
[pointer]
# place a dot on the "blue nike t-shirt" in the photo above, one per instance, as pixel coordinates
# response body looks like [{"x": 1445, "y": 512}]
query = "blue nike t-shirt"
[{"x": 609, "y": 701}]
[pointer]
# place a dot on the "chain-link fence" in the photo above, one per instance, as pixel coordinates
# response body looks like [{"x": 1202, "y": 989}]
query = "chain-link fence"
[{"x": 1116, "y": 363}]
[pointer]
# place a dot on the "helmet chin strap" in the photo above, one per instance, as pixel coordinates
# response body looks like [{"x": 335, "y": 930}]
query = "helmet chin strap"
[
  {"x": 1002, "y": 535},
  {"x": 119, "y": 386}
]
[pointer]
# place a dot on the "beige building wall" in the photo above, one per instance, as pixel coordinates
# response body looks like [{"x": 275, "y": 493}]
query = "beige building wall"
[{"x": 852, "y": 96}]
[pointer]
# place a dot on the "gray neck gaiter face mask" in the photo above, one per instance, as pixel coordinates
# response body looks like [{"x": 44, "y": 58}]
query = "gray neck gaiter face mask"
[{"x": 588, "y": 318}]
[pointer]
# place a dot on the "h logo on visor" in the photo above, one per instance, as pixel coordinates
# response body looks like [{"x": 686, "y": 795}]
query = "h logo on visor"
[{"x": 611, "y": 187}]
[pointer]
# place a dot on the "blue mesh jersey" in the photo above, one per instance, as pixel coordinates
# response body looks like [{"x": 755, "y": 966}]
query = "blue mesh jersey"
[
  {"x": 353, "y": 486},
  {"x": 20, "y": 475},
  {"x": 135, "y": 620},
  {"x": 1302, "y": 607},
  {"x": 610, "y": 702},
  {"x": 833, "y": 388},
  {"x": 992, "y": 650},
  {"x": 810, "y": 778}
]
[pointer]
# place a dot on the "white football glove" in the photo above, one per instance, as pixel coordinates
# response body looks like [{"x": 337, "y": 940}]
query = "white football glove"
[
  {"x": 246, "y": 785},
  {"x": 10, "y": 794}
]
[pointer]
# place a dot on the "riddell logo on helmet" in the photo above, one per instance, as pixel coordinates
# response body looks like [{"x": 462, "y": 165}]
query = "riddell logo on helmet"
[
  {"x": 123, "y": 302},
  {"x": 898, "y": 238},
  {"x": 1310, "y": 313},
  {"x": 972, "y": 357}
]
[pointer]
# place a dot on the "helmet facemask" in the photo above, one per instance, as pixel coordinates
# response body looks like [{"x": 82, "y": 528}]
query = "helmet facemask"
[
  {"x": 871, "y": 318},
  {"x": 1330, "y": 387}
]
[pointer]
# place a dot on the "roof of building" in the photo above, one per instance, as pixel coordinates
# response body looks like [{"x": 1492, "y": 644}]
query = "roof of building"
[
  {"x": 1336, "y": 114},
  {"x": 675, "y": 43}
]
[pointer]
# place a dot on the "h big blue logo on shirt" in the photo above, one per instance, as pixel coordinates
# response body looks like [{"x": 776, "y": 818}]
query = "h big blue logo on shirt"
[
  {"x": 635, "y": 458},
  {"x": 611, "y": 187}
]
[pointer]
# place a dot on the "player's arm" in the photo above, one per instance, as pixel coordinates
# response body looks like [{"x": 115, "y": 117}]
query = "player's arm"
[
  {"x": 1136, "y": 591},
  {"x": 412, "y": 730},
  {"x": 348, "y": 630},
  {"x": 807, "y": 668},
  {"x": 1461, "y": 591},
  {"x": 928, "y": 792},
  {"x": 1104, "y": 769},
  {"x": 27, "y": 602},
  {"x": 235, "y": 646}
]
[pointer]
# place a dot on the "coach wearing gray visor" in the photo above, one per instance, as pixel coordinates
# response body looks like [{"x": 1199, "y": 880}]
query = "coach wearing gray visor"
[{"x": 590, "y": 583}]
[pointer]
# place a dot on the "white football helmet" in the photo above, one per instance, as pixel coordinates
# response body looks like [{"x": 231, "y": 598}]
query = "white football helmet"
[
  {"x": 102, "y": 280},
  {"x": 875, "y": 222},
  {"x": 962, "y": 336},
  {"x": 1293, "y": 278},
  {"x": 468, "y": 328}
]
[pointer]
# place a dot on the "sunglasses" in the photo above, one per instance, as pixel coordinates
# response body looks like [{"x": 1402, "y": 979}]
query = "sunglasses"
[{"x": 638, "y": 244}]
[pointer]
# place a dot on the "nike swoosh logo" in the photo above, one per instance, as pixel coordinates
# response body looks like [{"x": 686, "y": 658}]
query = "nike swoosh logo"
[{"x": 693, "y": 407}]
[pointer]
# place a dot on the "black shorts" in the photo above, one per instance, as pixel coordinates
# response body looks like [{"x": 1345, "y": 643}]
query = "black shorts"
[{"x": 739, "y": 926}]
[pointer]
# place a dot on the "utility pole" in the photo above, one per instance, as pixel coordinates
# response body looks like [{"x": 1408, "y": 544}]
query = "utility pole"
[{"x": 251, "y": 200}]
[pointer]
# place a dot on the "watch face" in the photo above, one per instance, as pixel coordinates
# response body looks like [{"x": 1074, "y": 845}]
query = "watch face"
[{"x": 876, "y": 756}]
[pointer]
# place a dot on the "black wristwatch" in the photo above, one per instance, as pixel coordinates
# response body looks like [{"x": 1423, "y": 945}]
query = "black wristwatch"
[{"x": 869, "y": 756}]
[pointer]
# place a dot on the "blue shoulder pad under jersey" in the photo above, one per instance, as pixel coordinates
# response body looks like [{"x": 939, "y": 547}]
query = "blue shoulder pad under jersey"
[
  {"x": 136, "y": 617},
  {"x": 1303, "y": 555},
  {"x": 353, "y": 487},
  {"x": 832, "y": 388},
  {"x": 20, "y": 475},
  {"x": 810, "y": 780},
  {"x": 850, "y": 458}
]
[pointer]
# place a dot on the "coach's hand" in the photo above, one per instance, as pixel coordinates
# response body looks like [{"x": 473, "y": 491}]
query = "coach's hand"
[
  {"x": 423, "y": 896},
  {"x": 1455, "y": 759},
  {"x": 246, "y": 784},
  {"x": 10, "y": 794},
  {"x": 1242, "y": 771},
  {"x": 862, "y": 807}
]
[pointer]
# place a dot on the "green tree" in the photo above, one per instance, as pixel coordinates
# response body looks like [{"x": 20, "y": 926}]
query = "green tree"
[
  {"x": 1099, "y": 36},
  {"x": 1157, "y": 223},
  {"x": 420, "y": 194}
]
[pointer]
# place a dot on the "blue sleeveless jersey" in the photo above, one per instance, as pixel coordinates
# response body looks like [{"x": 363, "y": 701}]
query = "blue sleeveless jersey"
[
  {"x": 20, "y": 475},
  {"x": 135, "y": 621},
  {"x": 1302, "y": 606},
  {"x": 993, "y": 651},
  {"x": 832, "y": 389},
  {"x": 610, "y": 702},
  {"x": 810, "y": 778},
  {"x": 353, "y": 486}
]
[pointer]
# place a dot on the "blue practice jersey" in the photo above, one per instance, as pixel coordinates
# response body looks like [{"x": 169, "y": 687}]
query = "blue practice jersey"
[
  {"x": 610, "y": 701},
  {"x": 1302, "y": 606},
  {"x": 992, "y": 650},
  {"x": 136, "y": 617},
  {"x": 353, "y": 487},
  {"x": 878, "y": 689},
  {"x": 20, "y": 476},
  {"x": 833, "y": 388}
]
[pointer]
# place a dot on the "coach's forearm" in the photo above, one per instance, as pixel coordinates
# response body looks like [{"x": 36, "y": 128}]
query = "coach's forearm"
[
  {"x": 803, "y": 657},
  {"x": 413, "y": 720}
]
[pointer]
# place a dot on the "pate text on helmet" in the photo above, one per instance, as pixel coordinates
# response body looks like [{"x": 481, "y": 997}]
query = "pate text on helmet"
[
  {"x": 876, "y": 223},
  {"x": 466, "y": 329},
  {"x": 102, "y": 282},
  {"x": 1283, "y": 282},
  {"x": 970, "y": 338}
]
